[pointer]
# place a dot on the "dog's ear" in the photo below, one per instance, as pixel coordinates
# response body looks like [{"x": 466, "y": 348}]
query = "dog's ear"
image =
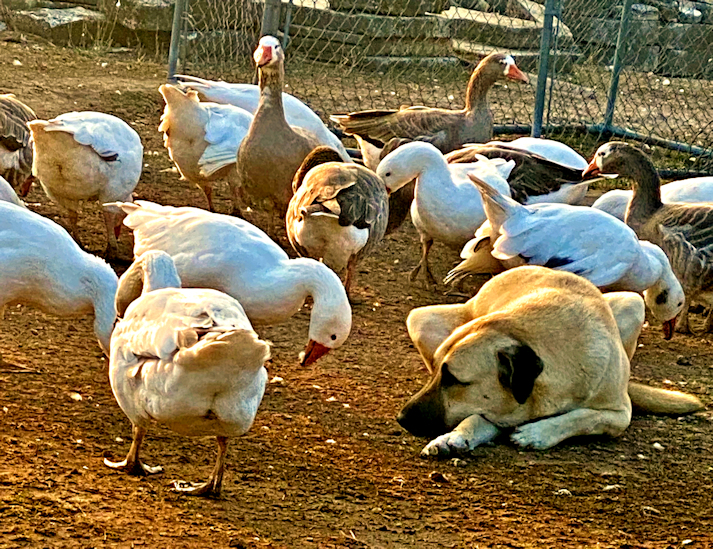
[{"x": 518, "y": 368}]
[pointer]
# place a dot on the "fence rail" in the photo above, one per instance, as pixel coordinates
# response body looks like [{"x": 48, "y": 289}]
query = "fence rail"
[{"x": 598, "y": 69}]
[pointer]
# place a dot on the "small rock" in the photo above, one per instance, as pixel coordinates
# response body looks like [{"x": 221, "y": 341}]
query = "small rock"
[
  {"x": 563, "y": 492},
  {"x": 687, "y": 13},
  {"x": 331, "y": 399},
  {"x": 17, "y": 62},
  {"x": 646, "y": 509},
  {"x": 641, "y": 456},
  {"x": 457, "y": 462},
  {"x": 75, "y": 396},
  {"x": 658, "y": 447},
  {"x": 683, "y": 360},
  {"x": 435, "y": 476},
  {"x": 330, "y": 441},
  {"x": 610, "y": 487},
  {"x": 277, "y": 379}
]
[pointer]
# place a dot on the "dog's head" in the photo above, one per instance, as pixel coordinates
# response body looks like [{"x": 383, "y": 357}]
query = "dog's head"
[{"x": 480, "y": 369}]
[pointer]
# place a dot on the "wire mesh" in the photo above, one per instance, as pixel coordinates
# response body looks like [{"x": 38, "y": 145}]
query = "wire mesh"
[{"x": 346, "y": 55}]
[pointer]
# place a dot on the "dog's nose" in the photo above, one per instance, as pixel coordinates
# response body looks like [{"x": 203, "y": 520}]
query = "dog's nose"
[{"x": 423, "y": 415}]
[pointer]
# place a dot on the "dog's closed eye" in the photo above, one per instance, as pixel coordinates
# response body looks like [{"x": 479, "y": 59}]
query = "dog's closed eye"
[{"x": 448, "y": 379}]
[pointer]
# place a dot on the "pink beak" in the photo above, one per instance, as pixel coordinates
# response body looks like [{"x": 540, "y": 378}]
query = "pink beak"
[
  {"x": 312, "y": 352},
  {"x": 669, "y": 327},
  {"x": 514, "y": 73},
  {"x": 262, "y": 56}
]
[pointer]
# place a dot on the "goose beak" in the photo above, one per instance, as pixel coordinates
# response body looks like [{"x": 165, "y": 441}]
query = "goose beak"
[
  {"x": 313, "y": 351},
  {"x": 262, "y": 56},
  {"x": 669, "y": 327},
  {"x": 513, "y": 73},
  {"x": 592, "y": 169}
]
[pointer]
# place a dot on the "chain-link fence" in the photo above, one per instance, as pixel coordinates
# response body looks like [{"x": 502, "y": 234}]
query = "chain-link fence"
[{"x": 346, "y": 55}]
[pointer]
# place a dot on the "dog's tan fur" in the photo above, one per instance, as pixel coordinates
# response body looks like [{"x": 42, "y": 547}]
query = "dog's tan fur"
[{"x": 537, "y": 350}]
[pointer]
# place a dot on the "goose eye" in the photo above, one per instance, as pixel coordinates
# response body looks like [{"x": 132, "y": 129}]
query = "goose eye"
[{"x": 387, "y": 174}]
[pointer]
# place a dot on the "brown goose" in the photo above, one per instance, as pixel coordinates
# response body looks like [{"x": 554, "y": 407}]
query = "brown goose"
[
  {"x": 534, "y": 178},
  {"x": 446, "y": 129},
  {"x": 15, "y": 142},
  {"x": 272, "y": 151},
  {"x": 338, "y": 213},
  {"x": 683, "y": 231}
]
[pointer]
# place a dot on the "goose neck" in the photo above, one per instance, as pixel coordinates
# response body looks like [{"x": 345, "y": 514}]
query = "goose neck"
[
  {"x": 646, "y": 185},
  {"x": 271, "y": 81},
  {"x": 476, "y": 94},
  {"x": 101, "y": 285}
]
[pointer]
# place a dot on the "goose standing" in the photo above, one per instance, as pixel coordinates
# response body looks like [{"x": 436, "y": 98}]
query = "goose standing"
[
  {"x": 272, "y": 151},
  {"x": 446, "y": 129},
  {"x": 683, "y": 231},
  {"x": 16, "y": 142},
  {"x": 338, "y": 213},
  {"x": 447, "y": 206},
  {"x": 576, "y": 239},
  {"x": 202, "y": 139},
  {"x": 41, "y": 266},
  {"x": 247, "y": 97},
  {"x": 231, "y": 255},
  {"x": 694, "y": 190},
  {"x": 81, "y": 156},
  {"x": 186, "y": 358}
]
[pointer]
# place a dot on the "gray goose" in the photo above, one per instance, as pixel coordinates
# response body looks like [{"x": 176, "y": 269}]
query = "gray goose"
[
  {"x": 272, "y": 151},
  {"x": 16, "y": 143},
  {"x": 683, "y": 231},
  {"x": 338, "y": 212},
  {"x": 446, "y": 129}
]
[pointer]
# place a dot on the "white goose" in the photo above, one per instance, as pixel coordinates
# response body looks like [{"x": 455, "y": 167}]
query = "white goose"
[
  {"x": 7, "y": 194},
  {"x": 41, "y": 266},
  {"x": 231, "y": 255},
  {"x": 692, "y": 191},
  {"x": 186, "y": 358},
  {"x": 203, "y": 138},
  {"x": 447, "y": 207},
  {"x": 82, "y": 156},
  {"x": 578, "y": 240},
  {"x": 247, "y": 96}
]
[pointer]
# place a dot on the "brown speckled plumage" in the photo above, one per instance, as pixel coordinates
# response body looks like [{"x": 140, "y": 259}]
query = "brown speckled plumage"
[{"x": 15, "y": 138}]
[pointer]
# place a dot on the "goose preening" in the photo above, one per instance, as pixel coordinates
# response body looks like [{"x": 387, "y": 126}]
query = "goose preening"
[
  {"x": 82, "y": 156},
  {"x": 231, "y": 255},
  {"x": 683, "y": 231},
  {"x": 186, "y": 358},
  {"x": 447, "y": 206},
  {"x": 576, "y": 239},
  {"x": 203, "y": 138},
  {"x": 7, "y": 194},
  {"x": 696, "y": 189},
  {"x": 272, "y": 151},
  {"x": 16, "y": 142},
  {"x": 338, "y": 213},
  {"x": 41, "y": 266},
  {"x": 535, "y": 178},
  {"x": 446, "y": 129},
  {"x": 247, "y": 96}
]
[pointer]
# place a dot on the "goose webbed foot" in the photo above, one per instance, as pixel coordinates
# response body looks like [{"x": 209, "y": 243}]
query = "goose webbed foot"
[
  {"x": 133, "y": 467},
  {"x": 212, "y": 487}
]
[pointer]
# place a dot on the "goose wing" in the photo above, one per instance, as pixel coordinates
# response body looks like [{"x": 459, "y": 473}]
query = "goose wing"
[
  {"x": 226, "y": 127},
  {"x": 14, "y": 114}
]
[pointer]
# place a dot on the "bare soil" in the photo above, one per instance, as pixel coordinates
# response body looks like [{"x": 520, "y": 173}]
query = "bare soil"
[{"x": 325, "y": 464}]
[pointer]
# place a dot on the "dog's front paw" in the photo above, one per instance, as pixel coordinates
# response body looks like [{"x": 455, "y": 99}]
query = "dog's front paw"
[
  {"x": 532, "y": 435},
  {"x": 450, "y": 443}
]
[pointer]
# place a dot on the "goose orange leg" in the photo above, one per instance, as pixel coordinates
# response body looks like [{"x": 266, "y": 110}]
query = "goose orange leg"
[
  {"x": 211, "y": 487},
  {"x": 426, "y": 243},
  {"x": 132, "y": 464}
]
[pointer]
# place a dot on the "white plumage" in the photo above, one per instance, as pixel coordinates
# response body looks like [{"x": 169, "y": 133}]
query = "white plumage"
[
  {"x": 186, "y": 358},
  {"x": 235, "y": 257},
  {"x": 7, "y": 194}
]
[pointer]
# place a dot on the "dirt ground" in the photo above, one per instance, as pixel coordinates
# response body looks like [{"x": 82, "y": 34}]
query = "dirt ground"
[{"x": 325, "y": 464}]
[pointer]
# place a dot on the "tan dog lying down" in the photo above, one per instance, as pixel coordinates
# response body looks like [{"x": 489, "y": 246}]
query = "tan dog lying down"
[{"x": 536, "y": 350}]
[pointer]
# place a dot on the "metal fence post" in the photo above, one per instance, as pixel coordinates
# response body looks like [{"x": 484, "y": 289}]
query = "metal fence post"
[
  {"x": 178, "y": 9},
  {"x": 621, "y": 47},
  {"x": 543, "y": 69},
  {"x": 271, "y": 17}
]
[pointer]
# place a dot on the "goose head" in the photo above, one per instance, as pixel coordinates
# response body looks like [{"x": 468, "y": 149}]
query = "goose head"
[
  {"x": 407, "y": 162},
  {"x": 268, "y": 53},
  {"x": 665, "y": 298},
  {"x": 507, "y": 65},
  {"x": 616, "y": 158}
]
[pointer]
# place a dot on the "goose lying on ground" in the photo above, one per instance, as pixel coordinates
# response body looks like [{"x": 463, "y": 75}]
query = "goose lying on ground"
[
  {"x": 81, "y": 156},
  {"x": 338, "y": 213},
  {"x": 186, "y": 358},
  {"x": 447, "y": 206},
  {"x": 694, "y": 190},
  {"x": 231, "y": 255},
  {"x": 41, "y": 266},
  {"x": 683, "y": 231},
  {"x": 575, "y": 239},
  {"x": 203, "y": 139}
]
